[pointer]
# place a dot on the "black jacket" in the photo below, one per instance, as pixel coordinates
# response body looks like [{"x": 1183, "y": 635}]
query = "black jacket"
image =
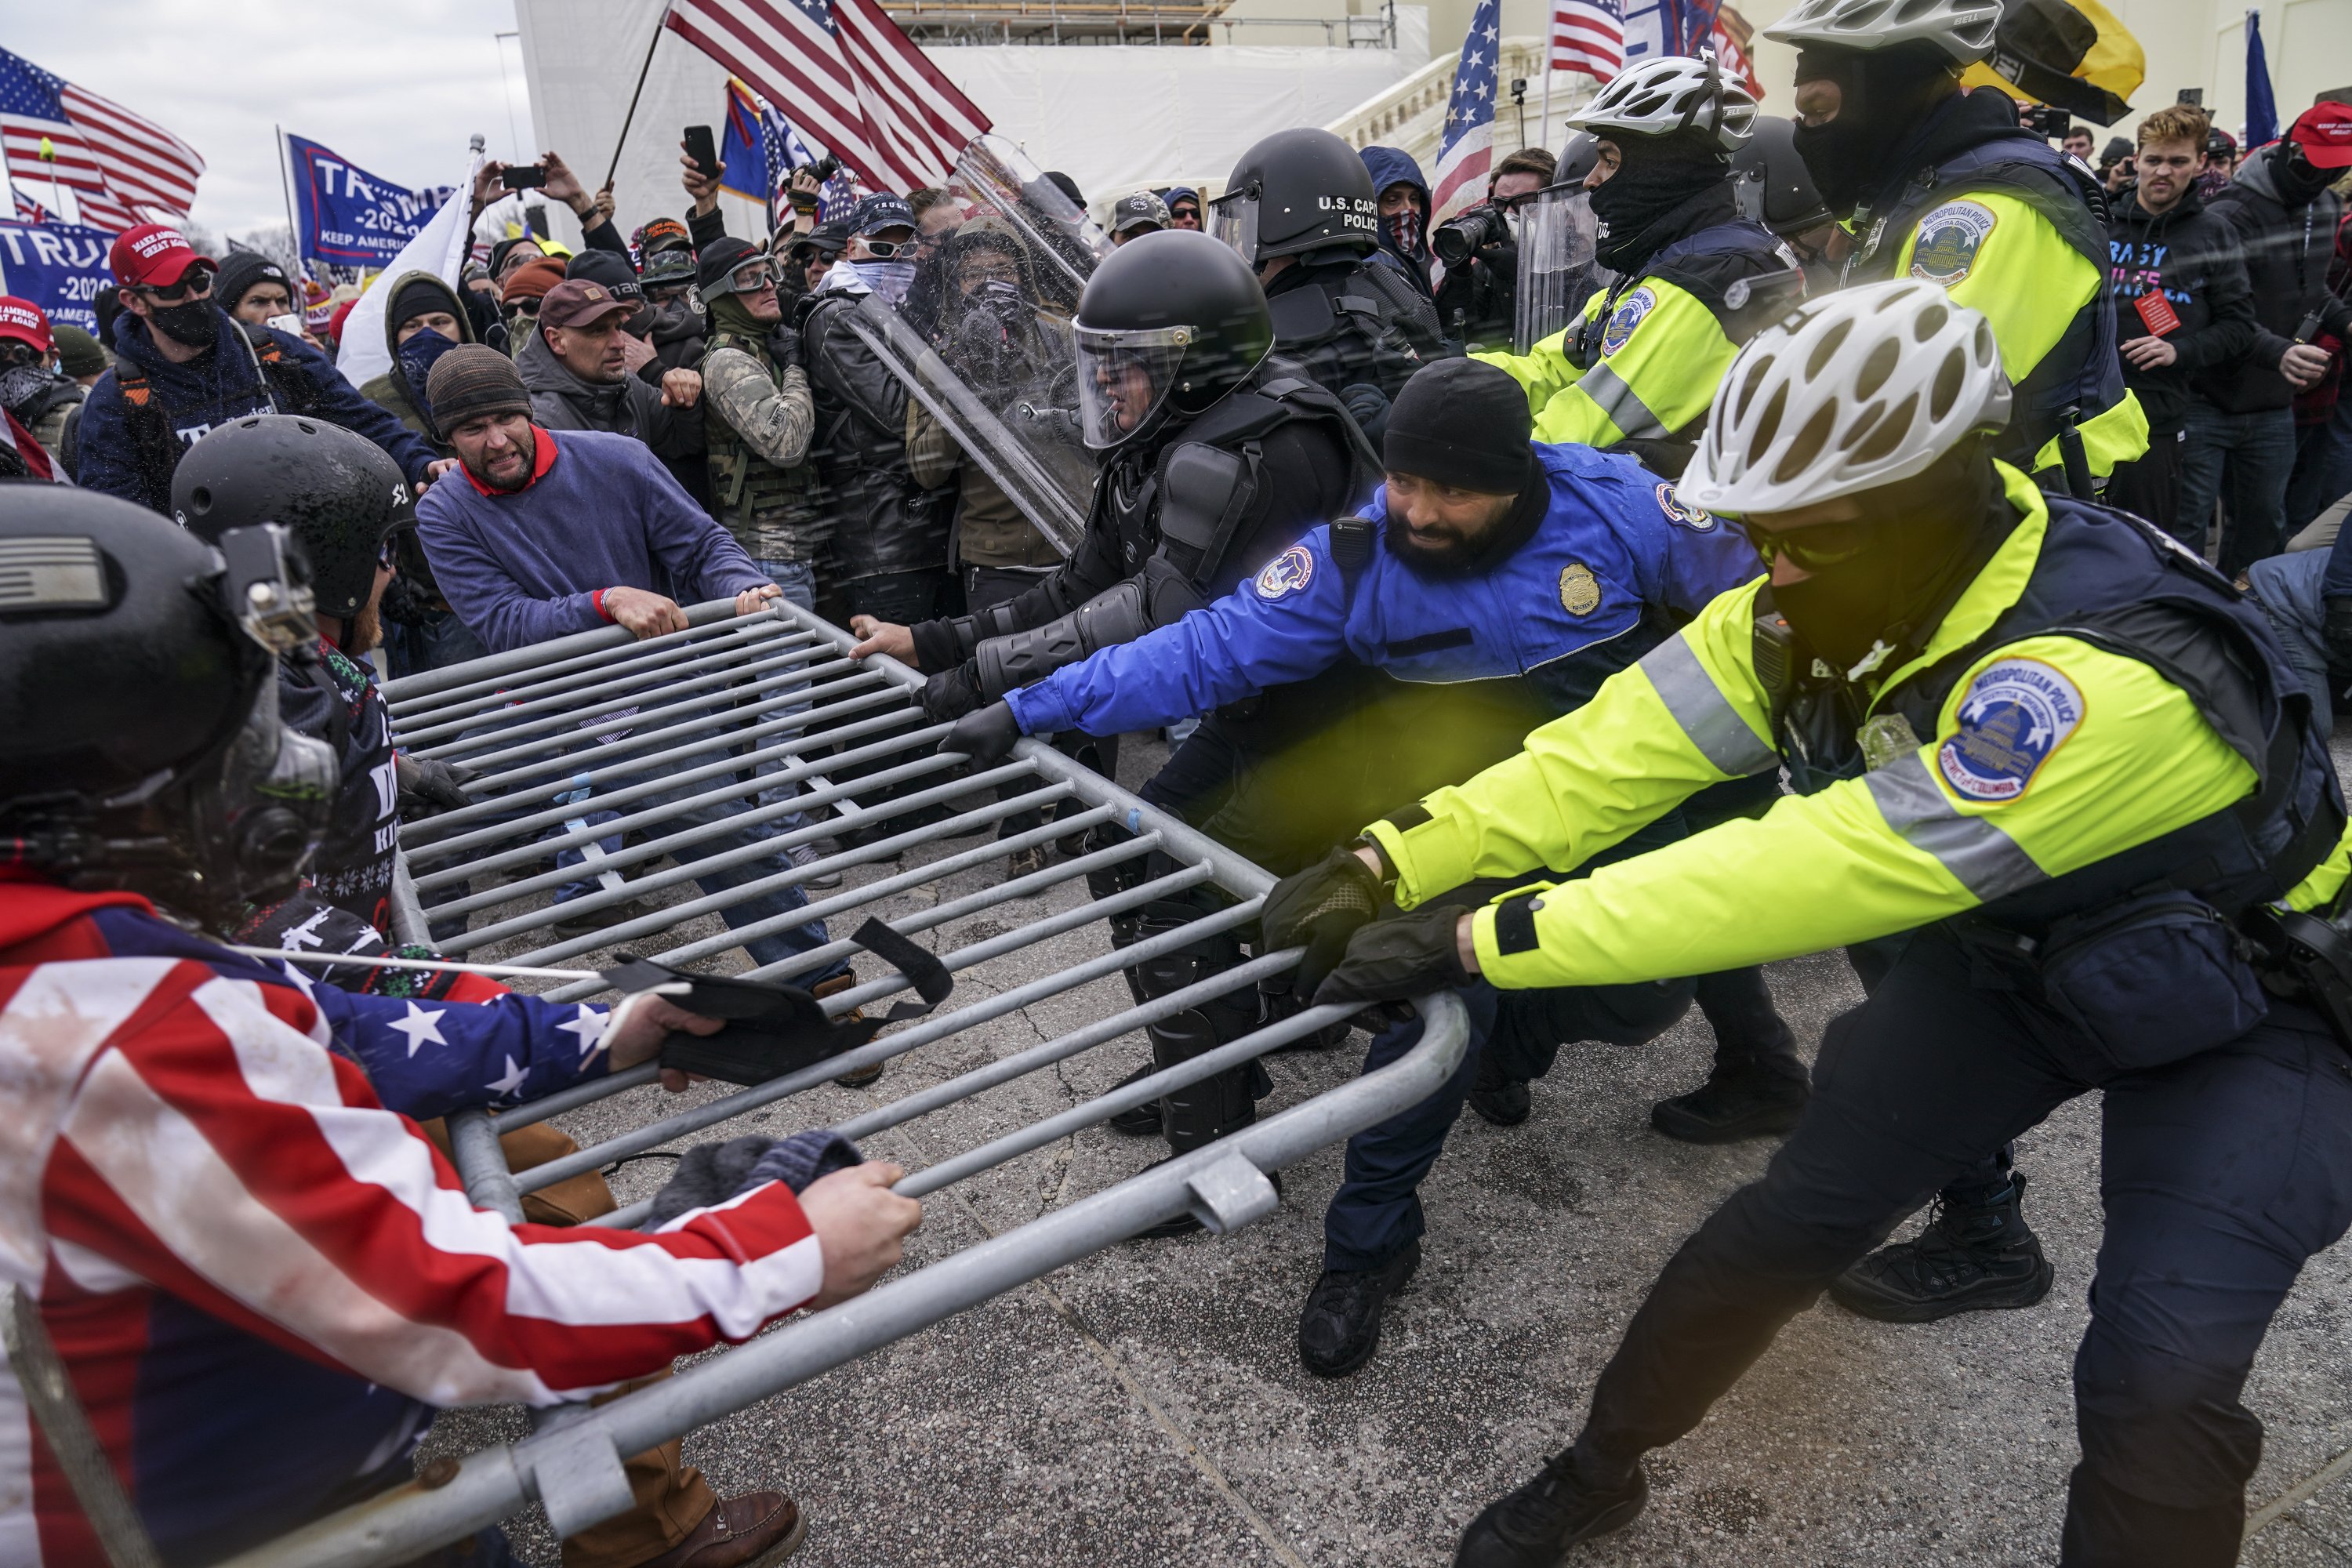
[
  {"x": 1350, "y": 321},
  {"x": 883, "y": 520},
  {"x": 2190, "y": 256},
  {"x": 2285, "y": 251}
]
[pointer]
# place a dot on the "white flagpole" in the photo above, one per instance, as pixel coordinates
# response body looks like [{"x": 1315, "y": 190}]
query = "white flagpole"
[{"x": 1543, "y": 137}]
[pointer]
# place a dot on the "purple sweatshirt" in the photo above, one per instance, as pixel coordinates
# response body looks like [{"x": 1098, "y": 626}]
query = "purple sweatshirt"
[{"x": 601, "y": 511}]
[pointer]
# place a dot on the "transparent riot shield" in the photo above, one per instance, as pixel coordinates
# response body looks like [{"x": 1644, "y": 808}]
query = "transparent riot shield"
[
  {"x": 984, "y": 339},
  {"x": 1558, "y": 270}
]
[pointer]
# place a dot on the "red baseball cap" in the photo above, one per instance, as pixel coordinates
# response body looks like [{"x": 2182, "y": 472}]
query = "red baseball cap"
[
  {"x": 26, "y": 322},
  {"x": 153, "y": 256},
  {"x": 2326, "y": 132}
]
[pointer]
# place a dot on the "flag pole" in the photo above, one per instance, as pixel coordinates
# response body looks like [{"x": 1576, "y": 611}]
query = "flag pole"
[
  {"x": 286, "y": 185},
  {"x": 1543, "y": 134},
  {"x": 660, "y": 26}
]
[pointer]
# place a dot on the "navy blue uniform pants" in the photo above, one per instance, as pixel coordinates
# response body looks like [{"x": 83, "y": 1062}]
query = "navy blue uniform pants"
[
  {"x": 2220, "y": 1174},
  {"x": 1377, "y": 1212}
]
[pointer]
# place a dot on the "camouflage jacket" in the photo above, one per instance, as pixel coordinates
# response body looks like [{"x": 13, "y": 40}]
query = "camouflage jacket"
[{"x": 757, "y": 417}]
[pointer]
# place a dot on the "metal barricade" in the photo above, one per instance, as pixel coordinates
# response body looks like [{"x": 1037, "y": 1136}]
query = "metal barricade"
[{"x": 666, "y": 731}]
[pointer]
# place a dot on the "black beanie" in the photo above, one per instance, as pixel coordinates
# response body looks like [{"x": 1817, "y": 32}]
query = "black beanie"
[
  {"x": 720, "y": 260},
  {"x": 611, "y": 270},
  {"x": 1461, "y": 423},
  {"x": 244, "y": 268},
  {"x": 420, "y": 297}
]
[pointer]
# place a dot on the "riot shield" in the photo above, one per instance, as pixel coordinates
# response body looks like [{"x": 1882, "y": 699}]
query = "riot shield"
[
  {"x": 1558, "y": 270},
  {"x": 983, "y": 339}
]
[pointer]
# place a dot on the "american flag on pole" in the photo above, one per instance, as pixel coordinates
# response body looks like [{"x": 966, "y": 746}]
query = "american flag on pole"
[
  {"x": 1588, "y": 37},
  {"x": 1467, "y": 148},
  {"x": 854, "y": 80},
  {"x": 113, "y": 161}
]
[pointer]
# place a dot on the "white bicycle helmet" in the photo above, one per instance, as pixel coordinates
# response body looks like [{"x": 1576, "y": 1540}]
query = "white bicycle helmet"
[
  {"x": 1849, "y": 392},
  {"x": 1963, "y": 29},
  {"x": 1671, "y": 93}
]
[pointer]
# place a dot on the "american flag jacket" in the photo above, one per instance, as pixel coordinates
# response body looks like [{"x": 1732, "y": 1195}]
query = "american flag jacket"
[{"x": 263, "y": 1281}]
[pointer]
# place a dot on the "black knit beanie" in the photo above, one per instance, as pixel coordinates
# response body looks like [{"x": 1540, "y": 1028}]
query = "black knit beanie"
[
  {"x": 420, "y": 297},
  {"x": 242, "y": 271},
  {"x": 1461, "y": 423}
]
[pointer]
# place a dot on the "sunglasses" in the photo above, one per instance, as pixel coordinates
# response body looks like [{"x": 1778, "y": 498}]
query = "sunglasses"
[
  {"x": 195, "y": 283},
  {"x": 889, "y": 249},
  {"x": 1812, "y": 549}
]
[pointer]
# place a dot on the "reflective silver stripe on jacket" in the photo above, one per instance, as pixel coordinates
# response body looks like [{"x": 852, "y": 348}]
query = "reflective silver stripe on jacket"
[
  {"x": 1621, "y": 404},
  {"x": 1706, "y": 716},
  {"x": 1979, "y": 856}
]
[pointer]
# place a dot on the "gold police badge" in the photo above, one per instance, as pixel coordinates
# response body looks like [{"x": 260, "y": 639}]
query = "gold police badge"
[{"x": 1580, "y": 592}]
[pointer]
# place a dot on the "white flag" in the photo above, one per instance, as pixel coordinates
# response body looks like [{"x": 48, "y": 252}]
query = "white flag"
[{"x": 439, "y": 249}]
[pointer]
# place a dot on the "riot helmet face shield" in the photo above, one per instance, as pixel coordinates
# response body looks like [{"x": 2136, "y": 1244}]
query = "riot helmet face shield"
[
  {"x": 1125, "y": 379},
  {"x": 1558, "y": 266},
  {"x": 1232, "y": 220}
]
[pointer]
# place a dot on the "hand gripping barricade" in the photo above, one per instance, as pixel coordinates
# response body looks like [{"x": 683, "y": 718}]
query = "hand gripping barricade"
[
  {"x": 983, "y": 339},
  {"x": 716, "y": 704}
]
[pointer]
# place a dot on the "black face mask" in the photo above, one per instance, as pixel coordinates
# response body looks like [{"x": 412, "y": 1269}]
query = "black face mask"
[
  {"x": 189, "y": 323},
  {"x": 1938, "y": 527},
  {"x": 2298, "y": 182},
  {"x": 1658, "y": 175},
  {"x": 1881, "y": 100}
]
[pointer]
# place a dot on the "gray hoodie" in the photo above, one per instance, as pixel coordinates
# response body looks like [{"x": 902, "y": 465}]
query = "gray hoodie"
[{"x": 562, "y": 401}]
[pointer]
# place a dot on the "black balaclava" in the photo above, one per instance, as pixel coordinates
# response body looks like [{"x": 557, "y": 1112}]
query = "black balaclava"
[
  {"x": 2299, "y": 181},
  {"x": 1883, "y": 96},
  {"x": 1928, "y": 535},
  {"x": 1657, "y": 177}
]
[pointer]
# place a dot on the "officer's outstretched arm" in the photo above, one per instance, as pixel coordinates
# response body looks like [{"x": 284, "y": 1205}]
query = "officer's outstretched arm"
[
  {"x": 1689, "y": 715},
  {"x": 1286, "y": 624},
  {"x": 2052, "y": 755},
  {"x": 1659, "y": 377},
  {"x": 1543, "y": 370}
]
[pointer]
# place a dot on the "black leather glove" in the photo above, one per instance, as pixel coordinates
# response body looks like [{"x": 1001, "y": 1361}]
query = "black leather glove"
[
  {"x": 952, "y": 693},
  {"x": 1320, "y": 908},
  {"x": 2337, "y": 632},
  {"x": 1388, "y": 961},
  {"x": 984, "y": 736},
  {"x": 429, "y": 788},
  {"x": 784, "y": 344}
]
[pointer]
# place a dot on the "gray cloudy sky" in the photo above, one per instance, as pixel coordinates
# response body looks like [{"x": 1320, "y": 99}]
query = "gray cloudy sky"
[{"x": 395, "y": 86}]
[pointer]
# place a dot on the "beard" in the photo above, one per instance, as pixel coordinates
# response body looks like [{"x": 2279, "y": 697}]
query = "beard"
[
  {"x": 1454, "y": 553},
  {"x": 365, "y": 633}
]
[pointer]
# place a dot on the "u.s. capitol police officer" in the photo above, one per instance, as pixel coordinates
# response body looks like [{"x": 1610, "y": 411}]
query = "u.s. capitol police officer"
[
  {"x": 1496, "y": 585},
  {"x": 2075, "y": 768}
]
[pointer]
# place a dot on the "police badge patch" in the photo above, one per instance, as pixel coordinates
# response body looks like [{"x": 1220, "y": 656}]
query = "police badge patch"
[
  {"x": 2014, "y": 715},
  {"x": 1626, "y": 318},
  {"x": 1285, "y": 575},
  {"x": 1678, "y": 510},
  {"x": 1579, "y": 592},
  {"x": 1948, "y": 243}
]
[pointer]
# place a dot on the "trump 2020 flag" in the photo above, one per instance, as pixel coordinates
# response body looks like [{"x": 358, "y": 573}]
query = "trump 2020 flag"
[
  {"x": 60, "y": 266},
  {"x": 347, "y": 216}
]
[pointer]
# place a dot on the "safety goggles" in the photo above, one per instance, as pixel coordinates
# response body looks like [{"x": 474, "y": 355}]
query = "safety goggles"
[
  {"x": 195, "y": 283},
  {"x": 752, "y": 277},
  {"x": 1812, "y": 549}
]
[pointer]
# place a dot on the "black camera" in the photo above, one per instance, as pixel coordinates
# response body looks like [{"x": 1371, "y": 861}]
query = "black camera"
[
  {"x": 825, "y": 168},
  {"x": 2049, "y": 123},
  {"x": 1476, "y": 229}
]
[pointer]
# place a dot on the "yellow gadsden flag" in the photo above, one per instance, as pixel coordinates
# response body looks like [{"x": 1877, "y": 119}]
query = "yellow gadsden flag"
[{"x": 2070, "y": 54}]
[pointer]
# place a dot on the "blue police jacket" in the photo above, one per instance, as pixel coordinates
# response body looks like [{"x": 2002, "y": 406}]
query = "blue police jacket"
[{"x": 1615, "y": 564}]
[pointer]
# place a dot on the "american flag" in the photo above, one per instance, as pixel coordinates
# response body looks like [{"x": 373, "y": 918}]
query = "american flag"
[
  {"x": 112, "y": 159},
  {"x": 856, "y": 82},
  {"x": 1588, "y": 37},
  {"x": 1467, "y": 148}
]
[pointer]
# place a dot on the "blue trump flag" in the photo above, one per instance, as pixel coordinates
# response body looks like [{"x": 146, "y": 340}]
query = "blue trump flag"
[
  {"x": 345, "y": 216},
  {"x": 2261, "y": 108},
  {"x": 60, "y": 266}
]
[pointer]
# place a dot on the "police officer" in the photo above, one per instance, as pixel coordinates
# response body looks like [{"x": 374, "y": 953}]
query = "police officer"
[
  {"x": 1301, "y": 210},
  {"x": 1773, "y": 186},
  {"x": 2075, "y": 767},
  {"x": 1944, "y": 186},
  {"x": 342, "y": 501},
  {"x": 1501, "y": 585},
  {"x": 1640, "y": 366},
  {"x": 1216, "y": 457}
]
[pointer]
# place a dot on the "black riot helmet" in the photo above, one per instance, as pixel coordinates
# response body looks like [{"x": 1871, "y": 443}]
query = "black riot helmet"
[
  {"x": 337, "y": 493},
  {"x": 1295, "y": 192},
  {"x": 1772, "y": 183},
  {"x": 1169, "y": 323},
  {"x": 140, "y": 742}
]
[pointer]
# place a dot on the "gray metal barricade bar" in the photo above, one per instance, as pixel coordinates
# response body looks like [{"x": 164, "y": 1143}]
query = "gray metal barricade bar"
[{"x": 1152, "y": 860}]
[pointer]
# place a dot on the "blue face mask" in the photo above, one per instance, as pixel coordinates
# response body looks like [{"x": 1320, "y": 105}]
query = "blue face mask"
[{"x": 417, "y": 358}]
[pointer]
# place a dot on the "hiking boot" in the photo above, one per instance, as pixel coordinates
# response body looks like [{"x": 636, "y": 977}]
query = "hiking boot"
[
  {"x": 758, "y": 1529},
  {"x": 1339, "y": 1327},
  {"x": 1184, "y": 1224},
  {"x": 1143, "y": 1122},
  {"x": 1020, "y": 863},
  {"x": 1743, "y": 1097},
  {"x": 1972, "y": 1258},
  {"x": 1497, "y": 1096},
  {"x": 809, "y": 855},
  {"x": 1533, "y": 1524},
  {"x": 587, "y": 922}
]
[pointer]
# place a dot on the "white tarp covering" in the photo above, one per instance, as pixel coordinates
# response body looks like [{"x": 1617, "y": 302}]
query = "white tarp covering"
[{"x": 1114, "y": 119}]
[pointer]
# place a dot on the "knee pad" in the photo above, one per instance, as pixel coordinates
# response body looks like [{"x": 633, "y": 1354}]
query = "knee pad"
[{"x": 1201, "y": 1113}]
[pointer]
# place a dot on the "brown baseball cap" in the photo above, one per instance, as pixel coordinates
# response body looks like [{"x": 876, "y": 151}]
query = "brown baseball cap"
[{"x": 577, "y": 302}]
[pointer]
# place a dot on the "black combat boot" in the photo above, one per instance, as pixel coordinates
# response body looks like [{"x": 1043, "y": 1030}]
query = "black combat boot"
[
  {"x": 1759, "y": 1086},
  {"x": 1531, "y": 1525},
  {"x": 1496, "y": 1096},
  {"x": 1972, "y": 1258},
  {"x": 1339, "y": 1327}
]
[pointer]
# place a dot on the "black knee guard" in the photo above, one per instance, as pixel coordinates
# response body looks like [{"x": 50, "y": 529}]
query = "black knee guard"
[{"x": 1223, "y": 1102}]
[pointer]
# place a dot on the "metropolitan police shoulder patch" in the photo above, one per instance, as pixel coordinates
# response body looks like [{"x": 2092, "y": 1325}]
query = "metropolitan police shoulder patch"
[
  {"x": 1678, "y": 510},
  {"x": 2013, "y": 717},
  {"x": 1285, "y": 575},
  {"x": 1948, "y": 242},
  {"x": 1626, "y": 318},
  {"x": 1579, "y": 590}
]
